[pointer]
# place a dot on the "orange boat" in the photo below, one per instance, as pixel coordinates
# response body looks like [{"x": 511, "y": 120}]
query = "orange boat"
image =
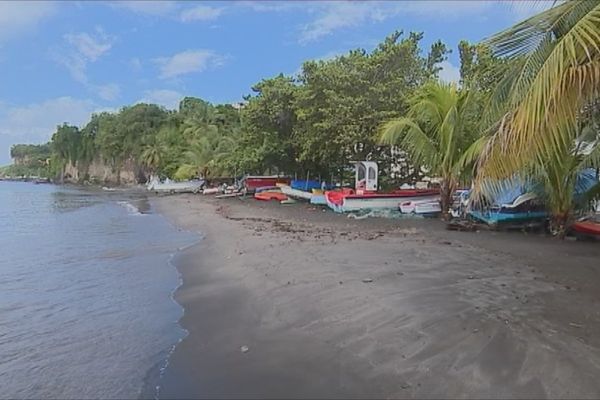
[{"x": 269, "y": 195}]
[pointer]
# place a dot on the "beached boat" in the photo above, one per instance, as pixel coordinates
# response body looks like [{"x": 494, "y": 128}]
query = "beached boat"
[
  {"x": 270, "y": 194},
  {"x": 318, "y": 197},
  {"x": 525, "y": 208},
  {"x": 296, "y": 193},
  {"x": 421, "y": 207},
  {"x": 168, "y": 186},
  {"x": 306, "y": 190},
  {"x": 366, "y": 197},
  {"x": 587, "y": 227},
  {"x": 251, "y": 183}
]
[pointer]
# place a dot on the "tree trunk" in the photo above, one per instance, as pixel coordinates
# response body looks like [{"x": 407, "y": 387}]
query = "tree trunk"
[
  {"x": 559, "y": 224},
  {"x": 446, "y": 192}
]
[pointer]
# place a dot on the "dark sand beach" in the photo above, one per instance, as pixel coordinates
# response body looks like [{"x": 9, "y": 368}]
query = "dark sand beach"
[{"x": 330, "y": 307}]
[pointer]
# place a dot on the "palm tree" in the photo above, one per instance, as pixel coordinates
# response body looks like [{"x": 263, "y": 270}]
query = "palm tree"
[
  {"x": 555, "y": 62},
  {"x": 437, "y": 134},
  {"x": 152, "y": 156}
]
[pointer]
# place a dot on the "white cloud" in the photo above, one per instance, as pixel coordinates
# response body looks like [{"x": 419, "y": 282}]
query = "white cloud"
[
  {"x": 449, "y": 72},
  {"x": 36, "y": 122},
  {"x": 110, "y": 91},
  {"x": 187, "y": 62},
  {"x": 164, "y": 97},
  {"x": 152, "y": 8},
  {"x": 91, "y": 48},
  {"x": 18, "y": 17},
  {"x": 337, "y": 16},
  {"x": 83, "y": 49},
  {"x": 201, "y": 13}
]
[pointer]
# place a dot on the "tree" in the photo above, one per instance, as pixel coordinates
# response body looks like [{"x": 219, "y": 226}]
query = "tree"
[
  {"x": 554, "y": 74},
  {"x": 436, "y": 134},
  {"x": 342, "y": 102}
]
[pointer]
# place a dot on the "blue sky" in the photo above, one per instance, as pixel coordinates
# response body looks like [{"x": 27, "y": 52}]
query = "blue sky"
[{"x": 61, "y": 61}]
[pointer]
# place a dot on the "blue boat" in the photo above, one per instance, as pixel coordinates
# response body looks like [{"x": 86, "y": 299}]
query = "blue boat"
[
  {"x": 308, "y": 185},
  {"x": 515, "y": 203}
]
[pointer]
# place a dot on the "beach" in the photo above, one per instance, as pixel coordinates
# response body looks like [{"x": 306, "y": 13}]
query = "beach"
[{"x": 294, "y": 301}]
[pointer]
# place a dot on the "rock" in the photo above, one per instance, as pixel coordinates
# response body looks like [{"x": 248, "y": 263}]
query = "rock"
[
  {"x": 244, "y": 349},
  {"x": 471, "y": 277},
  {"x": 367, "y": 280}
]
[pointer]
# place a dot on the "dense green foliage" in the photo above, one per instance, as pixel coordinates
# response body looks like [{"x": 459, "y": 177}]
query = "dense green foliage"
[{"x": 318, "y": 122}]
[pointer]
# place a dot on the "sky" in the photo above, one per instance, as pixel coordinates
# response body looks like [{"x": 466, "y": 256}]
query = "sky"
[{"x": 62, "y": 61}]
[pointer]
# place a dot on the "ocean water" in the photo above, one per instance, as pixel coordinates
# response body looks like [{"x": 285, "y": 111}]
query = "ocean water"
[{"x": 86, "y": 307}]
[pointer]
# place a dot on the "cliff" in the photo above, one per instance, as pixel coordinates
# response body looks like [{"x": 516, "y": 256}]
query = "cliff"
[{"x": 100, "y": 172}]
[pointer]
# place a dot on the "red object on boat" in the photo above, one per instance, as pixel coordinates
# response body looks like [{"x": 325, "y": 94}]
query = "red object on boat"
[
  {"x": 267, "y": 195},
  {"x": 588, "y": 227},
  {"x": 251, "y": 183}
]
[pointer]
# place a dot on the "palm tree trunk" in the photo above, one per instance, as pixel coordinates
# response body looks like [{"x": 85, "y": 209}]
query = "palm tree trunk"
[
  {"x": 446, "y": 192},
  {"x": 559, "y": 224}
]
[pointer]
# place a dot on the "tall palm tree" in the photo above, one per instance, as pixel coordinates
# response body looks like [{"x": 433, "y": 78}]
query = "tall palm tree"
[
  {"x": 555, "y": 59},
  {"x": 152, "y": 156},
  {"x": 437, "y": 133}
]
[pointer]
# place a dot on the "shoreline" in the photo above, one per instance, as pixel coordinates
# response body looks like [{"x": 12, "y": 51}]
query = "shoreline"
[{"x": 439, "y": 314}]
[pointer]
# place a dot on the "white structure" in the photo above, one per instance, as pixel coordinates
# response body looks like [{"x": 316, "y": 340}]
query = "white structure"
[{"x": 366, "y": 177}]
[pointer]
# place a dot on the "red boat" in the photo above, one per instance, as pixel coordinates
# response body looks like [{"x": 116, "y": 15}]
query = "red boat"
[
  {"x": 587, "y": 227},
  {"x": 251, "y": 183},
  {"x": 268, "y": 195}
]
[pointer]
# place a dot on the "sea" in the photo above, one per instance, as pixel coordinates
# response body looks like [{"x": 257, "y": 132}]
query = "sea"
[{"x": 86, "y": 292}]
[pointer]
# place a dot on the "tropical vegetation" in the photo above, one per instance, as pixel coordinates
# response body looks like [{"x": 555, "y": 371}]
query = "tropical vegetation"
[{"x": 525, "y": 108}]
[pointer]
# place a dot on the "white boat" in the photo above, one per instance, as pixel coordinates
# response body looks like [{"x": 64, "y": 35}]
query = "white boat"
[
  {"x": 296, "y": 193},
  {"x": 366, "y": 197},
  {"x": 168, "y": 186},
  {"x": 422, "y": 206}
]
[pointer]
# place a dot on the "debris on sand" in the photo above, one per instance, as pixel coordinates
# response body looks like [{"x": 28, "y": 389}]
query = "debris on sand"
[
  {"x": 462, "y": 225},
  {"x": 244, "y": 349},
  {"x": 367, "y": 280}
]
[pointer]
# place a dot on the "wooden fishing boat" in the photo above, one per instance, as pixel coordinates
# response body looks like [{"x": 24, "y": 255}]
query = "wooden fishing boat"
[
  {"x": 526, "y": 208},
  {"x": 296, "y": 193},
  {"x": 168, "y": 186},
  {"x": 421, "y": 207},
  {"x": 270, "y": 194},
  {"x": 251, "y": 183},
  {"x": 345, "y": 201},
  {"x": 366, "y": 197},
  {"x": 318, "y": 197},
  {"x": 588, "y": 227}
]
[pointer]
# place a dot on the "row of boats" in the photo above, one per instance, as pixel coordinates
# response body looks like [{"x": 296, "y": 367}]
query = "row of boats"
[{"x": 515, "y": 205}]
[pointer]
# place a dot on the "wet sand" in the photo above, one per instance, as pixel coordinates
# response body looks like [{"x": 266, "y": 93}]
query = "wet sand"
[{"x": 332, "y": 307}]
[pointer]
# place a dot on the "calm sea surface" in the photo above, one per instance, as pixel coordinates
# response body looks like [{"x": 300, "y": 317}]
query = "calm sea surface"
[{"x": 86, "y": 285}]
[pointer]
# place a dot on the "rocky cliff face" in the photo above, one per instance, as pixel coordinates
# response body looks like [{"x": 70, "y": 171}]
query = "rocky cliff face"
[{"x": 100, "y": 172}]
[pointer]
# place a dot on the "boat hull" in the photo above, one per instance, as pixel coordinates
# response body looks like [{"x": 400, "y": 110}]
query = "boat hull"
[
  {"x": 341, "y": 203},
  {"x": 587, "y": 228},
  {"x": 295, "y": 193},
  {"x": 496, "y": 217}
]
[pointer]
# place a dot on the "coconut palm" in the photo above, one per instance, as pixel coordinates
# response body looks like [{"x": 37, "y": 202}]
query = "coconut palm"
[
  {"x": 438, "y": 134},
  {"x": 151, "y": 157},
  {"x": 555, "y": 58}
]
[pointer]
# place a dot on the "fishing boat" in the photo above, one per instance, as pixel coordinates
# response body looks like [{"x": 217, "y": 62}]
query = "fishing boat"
[
  {"x": 168, "y": 186},
  {"x": 318, "y": 197},
  {"x": 421, "y": 207},
  {"x": 525, "y": 208},
  {"x": 251, "y": 183},
  {"x": 296, "y": 193},
  {"x": 366, "y": 197},
  {"x": 273, "y": 193},
  {"x": 305, "y": 190},
  {"x": 587, "y": 227}
]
